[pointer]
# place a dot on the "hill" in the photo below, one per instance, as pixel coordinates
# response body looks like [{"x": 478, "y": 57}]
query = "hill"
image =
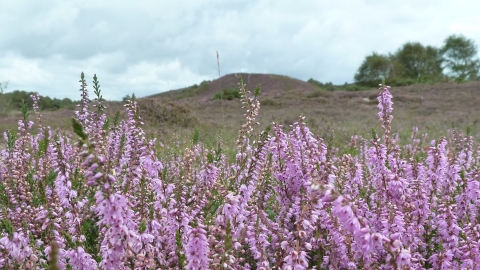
[{"x": 271, "y": 85}]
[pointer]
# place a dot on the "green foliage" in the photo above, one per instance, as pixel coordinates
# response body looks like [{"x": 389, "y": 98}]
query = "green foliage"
[
  {"x": 269, "y": 102},
  {"x": 154, "y": 110},
  {"x": 89, "y": 228},
  {"x": 257, "y": 91},
  {"x": 129, "y": 97},
  {"x": 195, "y": 137},
  {"x": 181, "y": 255},
  {"x": 185, "y": 92},
  {"x": 143, "y": 226},
  {"x": 97, "y": 92},
  {"x": 373, "y": 68},
  {"x": 417, "y": 62},
  {"x": 327, "y": 86},
  {"x": 3, "y": 195},
  {"x": 13, "y": 101},
  {"x": 116, "y": 119},
  {"x": 458, "y": 54},
  {"x": 228, "y": 94},
  {"x": 24, "y": 111},
  {"x": 11, "y": 139},
  {"x": 315, "y": 82},
  {"x": 78, "y": 129},
  {"x": 6, "y": 226},
  {"x": 355, "y": 87},
  {"x": 125, "y": 98}
]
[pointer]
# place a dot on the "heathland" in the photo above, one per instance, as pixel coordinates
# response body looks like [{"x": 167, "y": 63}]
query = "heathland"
[
  {"x": 179, "y": 181},
  {"x": 213, "y": 109}
]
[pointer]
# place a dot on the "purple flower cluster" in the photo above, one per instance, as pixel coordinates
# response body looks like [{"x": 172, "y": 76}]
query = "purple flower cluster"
[{"x": 102, "y": 199}]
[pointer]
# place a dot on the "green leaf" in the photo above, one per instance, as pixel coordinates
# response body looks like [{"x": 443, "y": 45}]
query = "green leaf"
[
  {"x": 24, "y": 110},
  {"x": 143, "y": 226},
  {"x": 195, "y": 137},
  {"x": 210, "y": 158},
  {"x": 116, "y": 119},
  {"x": 78, "y": 129},
  {"x": 7, "y": 226},
  {"x": 11, "y": 139},
  {"x": 257, "y": 91},
  {"x": 106, "y": 124}
]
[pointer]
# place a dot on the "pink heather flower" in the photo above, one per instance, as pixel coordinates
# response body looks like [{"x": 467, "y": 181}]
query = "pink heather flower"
[
  {"x": 385, "y": 104},
  {"x": 230, "y": 209},
  {"x": 197, "y": 250},
  {"x": 296, "y": 260},
  {"x": 403, "y": 259},
  {"x": 18, "y": 247},
  {"x": 81, "y": 260}
]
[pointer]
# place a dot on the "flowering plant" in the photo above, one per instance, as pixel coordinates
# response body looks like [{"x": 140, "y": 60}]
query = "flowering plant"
[{"x": 102, "y": 199}]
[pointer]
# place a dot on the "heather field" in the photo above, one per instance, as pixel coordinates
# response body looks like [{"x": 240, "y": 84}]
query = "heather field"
[{"x": 107, "y": 191}]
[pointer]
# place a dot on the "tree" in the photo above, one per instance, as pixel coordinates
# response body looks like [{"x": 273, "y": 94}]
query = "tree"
[
  {"x": 418, "y": 62},
  {"x": 458, "y": 54},
  {"x": 125, "y": 98},
  {"x": 373, "y": 68}
]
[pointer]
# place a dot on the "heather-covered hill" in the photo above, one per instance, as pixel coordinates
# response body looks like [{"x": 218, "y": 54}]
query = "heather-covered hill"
[{"x": 271, "y": 84}]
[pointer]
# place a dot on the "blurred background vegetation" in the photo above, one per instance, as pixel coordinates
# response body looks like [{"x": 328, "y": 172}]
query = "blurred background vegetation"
[
  {"x": 13, "y": 100},
  {"x": 415, "y": 63}
]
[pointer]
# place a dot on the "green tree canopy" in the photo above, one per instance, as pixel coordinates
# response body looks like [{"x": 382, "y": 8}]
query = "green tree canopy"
[
  {"x": 373, "y": 68},
  {"x": 418, "y": 62},
  {"x": 459, "y": 57},
  {"x": 14, "y": 100}
]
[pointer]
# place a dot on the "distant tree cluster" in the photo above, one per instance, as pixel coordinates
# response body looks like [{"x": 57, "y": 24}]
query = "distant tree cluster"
[
  {"x": 328, "y": 86},
  {"x": 14, "y": 99},
  {"x": 228, "y": 94},
  {"x": 416, "y": 63}
]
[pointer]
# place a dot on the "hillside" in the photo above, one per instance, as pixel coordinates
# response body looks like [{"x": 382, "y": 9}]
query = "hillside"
[
  {"x": 433, "y": 108},
  {"x": 271, "y": 85}
]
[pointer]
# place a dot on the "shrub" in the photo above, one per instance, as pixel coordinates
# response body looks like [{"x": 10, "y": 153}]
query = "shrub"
[
  {"x": 269, "y": 102},
  {"x": 159, "y": 111},
  {"x": 228, "y": 94}
]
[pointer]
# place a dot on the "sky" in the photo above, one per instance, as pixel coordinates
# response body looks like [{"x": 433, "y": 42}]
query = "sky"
[{"x": 148, "y": 47}]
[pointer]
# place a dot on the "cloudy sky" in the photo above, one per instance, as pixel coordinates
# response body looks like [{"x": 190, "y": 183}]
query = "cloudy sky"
[{"x": 147, "y": 47}]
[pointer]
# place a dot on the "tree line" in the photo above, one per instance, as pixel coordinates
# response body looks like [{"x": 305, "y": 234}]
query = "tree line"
[
  {"x": 415, "y": 63},
  {"x": 14, "y": 100}
]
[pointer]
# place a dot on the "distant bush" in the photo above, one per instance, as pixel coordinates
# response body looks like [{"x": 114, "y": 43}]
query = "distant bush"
[
  {"x": 318, "y": 93},
  {"x": 154, "y": 110},
  {"x": 228, "y": 94},
  {"x": 269, "y": 102},
  {"x": 355, "y": 87},
  {"x": 315, "y": 82},
  {"x": 327, "y": 86},
  {"x": 192, "y": 90}
]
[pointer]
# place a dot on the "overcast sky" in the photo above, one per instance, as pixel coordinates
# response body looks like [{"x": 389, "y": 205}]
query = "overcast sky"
[{"x": 147, "y": 47}]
